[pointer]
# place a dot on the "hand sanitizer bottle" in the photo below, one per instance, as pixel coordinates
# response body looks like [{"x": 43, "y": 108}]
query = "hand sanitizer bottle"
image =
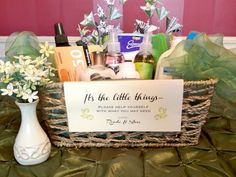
[
  {"x": 114, "y": 57},
  {"x": 97, "y": 71},
  {"x": 144, "y": 60}
]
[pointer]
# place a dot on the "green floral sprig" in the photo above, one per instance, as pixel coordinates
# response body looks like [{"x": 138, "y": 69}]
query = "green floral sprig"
[
  {"x": 22, "y": 77},
  {"x": 156, "y": 7},
  {"x": 96, "y": 26}
]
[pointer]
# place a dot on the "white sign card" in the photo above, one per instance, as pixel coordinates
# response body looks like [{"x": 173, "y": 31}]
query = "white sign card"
[{"x": 127, "y": 105}]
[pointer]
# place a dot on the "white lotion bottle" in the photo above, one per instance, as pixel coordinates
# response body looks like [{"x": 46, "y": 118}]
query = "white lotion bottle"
[
  {"x": 127, "y": 71},
  {"x": 163, "y": 69}
]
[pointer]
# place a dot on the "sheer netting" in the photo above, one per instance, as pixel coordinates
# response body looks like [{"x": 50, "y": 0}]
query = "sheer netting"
[{"x": 203, "y": 58}]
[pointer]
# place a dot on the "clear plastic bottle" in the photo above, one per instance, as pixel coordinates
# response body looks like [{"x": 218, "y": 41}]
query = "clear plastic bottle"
[
  {"x": 113, "y": 56},
  {"x": 127, "y": 71},
  {"x": 97, "y": 71},
  {"x": 144, "y": 60}
]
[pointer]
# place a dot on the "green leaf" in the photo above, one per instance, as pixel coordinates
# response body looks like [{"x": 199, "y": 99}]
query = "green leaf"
[
  {"x": 122, "y": 1},
  {"x": 115, "y": 14},
  {"x": 88, "y": 20},
  {"x": 162, "y": 13},
  {"x": 148, "y": 9}
]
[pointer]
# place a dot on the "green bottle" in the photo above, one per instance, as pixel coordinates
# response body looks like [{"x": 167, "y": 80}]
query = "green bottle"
[
  {"x": 144, "y": 60},
  {"x": 159, "y": 46}
]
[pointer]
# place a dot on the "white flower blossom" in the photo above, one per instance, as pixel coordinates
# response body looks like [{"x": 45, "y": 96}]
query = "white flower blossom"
[
  {"x": 46, "y": 49},
  {"x": 40, "y": 61},
  {"x": 9, "y": 90},
  {"x": 110, "y": 2},
  {"x": 22, "y": 57},
  {"x": 100, "y": 12},
  {"x": 24, "y": 64},
  {"x": 22, "y": 77},
  {"x": 2, "y": 66},
  {"x": 102, "y": 27},
  {"x": 8, "y": 68},
  {"x": 88, "y": 20},
  {"x": 30, "y": 96},
  {"x": 33, "y": 77}
]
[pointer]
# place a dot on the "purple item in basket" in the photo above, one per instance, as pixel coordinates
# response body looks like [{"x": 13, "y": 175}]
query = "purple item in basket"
[{"x": 130, "y": 41}]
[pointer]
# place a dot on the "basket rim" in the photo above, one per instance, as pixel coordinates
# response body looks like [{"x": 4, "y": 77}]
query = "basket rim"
[{"x": 186, "y": 82}]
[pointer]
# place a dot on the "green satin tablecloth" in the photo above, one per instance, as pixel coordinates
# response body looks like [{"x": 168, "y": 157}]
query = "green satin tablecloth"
[{"x": 214, "y": 156}]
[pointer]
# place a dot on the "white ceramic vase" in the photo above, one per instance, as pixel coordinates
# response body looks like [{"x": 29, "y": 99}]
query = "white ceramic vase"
[{"x": 32, "y": 145}]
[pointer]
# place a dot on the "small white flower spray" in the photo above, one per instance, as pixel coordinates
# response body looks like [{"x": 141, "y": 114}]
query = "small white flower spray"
[{"x": 22, "y": 77}]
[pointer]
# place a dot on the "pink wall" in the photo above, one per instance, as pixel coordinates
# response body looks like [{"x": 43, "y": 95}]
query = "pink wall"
[
  {"x": 40, "y": 15},
  {"x": 209, "y": 16}
]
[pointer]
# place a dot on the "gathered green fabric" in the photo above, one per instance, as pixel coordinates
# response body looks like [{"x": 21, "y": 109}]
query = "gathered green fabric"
[
  {"x": 25, "y": 43},
  {"x": 205, "y": 58},
  {"x": 214, "y": 156},
  {"x": 21, "y": 43}
]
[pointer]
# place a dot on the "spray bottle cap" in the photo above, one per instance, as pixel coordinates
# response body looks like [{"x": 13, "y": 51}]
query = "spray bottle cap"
[
  {"x": 58, "y": 27},
  {"x": 146, "y": 45},
  {"x": 113, "y": 45},
  {"x": 192, "y": 35},
  {"x": 60, "y": 37}
]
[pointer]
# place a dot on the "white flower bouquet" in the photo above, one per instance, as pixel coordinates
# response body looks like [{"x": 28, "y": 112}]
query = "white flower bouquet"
[
  {"x": 156, "y": 8},
  {"x": 22, "y": 77},
  {"x": 100, "y": 23},
  {"x": 96, "y": 25}
]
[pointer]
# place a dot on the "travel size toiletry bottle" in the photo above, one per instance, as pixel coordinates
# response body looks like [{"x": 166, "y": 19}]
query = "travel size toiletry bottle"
[
  {"x": 163, "y": 69},
  {"x": 113, "y": 56},
  {"x": 86, "y": 51},
  {"x": 97, "y": 71},
  {"x": 159, "y": 46},
  {"x": 61, "y": 39},
  {"x": 127, "y": 71},
  {"x": 144, "y": 60}
]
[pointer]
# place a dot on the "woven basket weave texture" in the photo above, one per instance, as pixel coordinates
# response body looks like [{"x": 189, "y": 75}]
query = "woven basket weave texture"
[{"x": 196, "y": 103}]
